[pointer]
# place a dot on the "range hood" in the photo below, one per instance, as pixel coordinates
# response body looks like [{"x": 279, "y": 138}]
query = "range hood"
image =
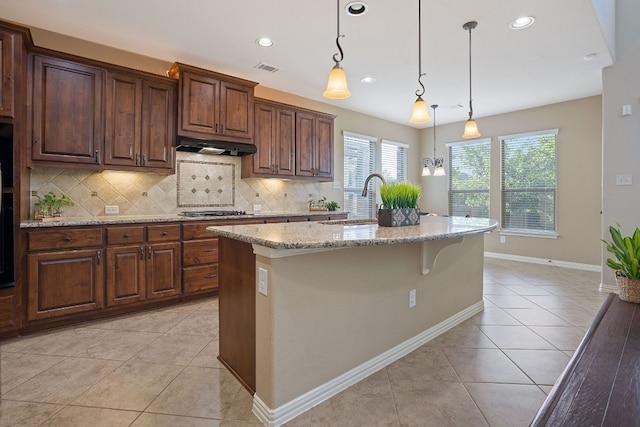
[{"x": 205, "y": 146}]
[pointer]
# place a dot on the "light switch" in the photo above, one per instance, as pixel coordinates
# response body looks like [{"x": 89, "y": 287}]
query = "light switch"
[
  {"x": 262, "y": 281},
  {"x": 624, "y": 180}
]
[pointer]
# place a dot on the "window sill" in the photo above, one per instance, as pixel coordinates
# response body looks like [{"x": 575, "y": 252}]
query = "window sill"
[{"x": 529, "y": 234}]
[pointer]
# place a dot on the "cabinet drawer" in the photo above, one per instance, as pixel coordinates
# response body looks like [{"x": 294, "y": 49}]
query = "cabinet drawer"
[
  {"x": 64, "y": 239},
  {"x": 200, "y": 252},
  {"x": 125, "y": 235},
  {"x": 197, "y": 230},
  {"x": 163, "y": 233},
  {"x": 200, "y": 278}
]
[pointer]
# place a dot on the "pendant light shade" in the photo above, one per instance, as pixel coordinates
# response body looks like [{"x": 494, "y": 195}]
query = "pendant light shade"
[
  {"x": 420, "y": 112},
  {"x": 337, "y": 84},
  {"x": 471, "y": 127}
]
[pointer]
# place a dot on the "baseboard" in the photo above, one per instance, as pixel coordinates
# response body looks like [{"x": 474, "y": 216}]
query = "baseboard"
[
  {"x": 555, "y": 263},
  {"x": 288, "y": 411}
]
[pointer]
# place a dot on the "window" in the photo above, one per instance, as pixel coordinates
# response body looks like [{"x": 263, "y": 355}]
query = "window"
[
  {"x": 469, "y": 178},
  {"x": 528, "y": 182},
  {"x": 363, "y": 155}
]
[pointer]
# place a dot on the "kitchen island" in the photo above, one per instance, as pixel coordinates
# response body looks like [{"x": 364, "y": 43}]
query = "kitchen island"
[{"x": 308, "y": 309}]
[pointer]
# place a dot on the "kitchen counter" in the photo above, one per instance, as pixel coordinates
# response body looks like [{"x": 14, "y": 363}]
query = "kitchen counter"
[
  {"x": 309, "y": 309},
  {"x": 132, "y": 219},
  {"x": 341, "y": 233}
]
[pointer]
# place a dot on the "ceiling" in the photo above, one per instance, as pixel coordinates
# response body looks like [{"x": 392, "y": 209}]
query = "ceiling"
[{"x": 512, "y": 70}]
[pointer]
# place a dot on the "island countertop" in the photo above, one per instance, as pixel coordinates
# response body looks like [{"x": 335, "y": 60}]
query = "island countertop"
[{"x": 346, "y": 233}]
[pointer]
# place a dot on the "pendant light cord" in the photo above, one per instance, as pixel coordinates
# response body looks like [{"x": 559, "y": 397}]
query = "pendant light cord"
[
  {"x": 420, "y": 92},
  {"x": 338, "y": 61},
  {"x": 434, "y": 131},
  {"x": 470, "y": 26}
]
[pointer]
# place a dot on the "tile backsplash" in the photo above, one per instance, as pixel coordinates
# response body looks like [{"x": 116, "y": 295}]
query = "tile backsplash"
[{"x": 200, "y": 182}]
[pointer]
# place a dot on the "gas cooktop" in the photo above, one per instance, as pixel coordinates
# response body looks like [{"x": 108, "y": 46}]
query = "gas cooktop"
[{"x": 211, "y": 213}]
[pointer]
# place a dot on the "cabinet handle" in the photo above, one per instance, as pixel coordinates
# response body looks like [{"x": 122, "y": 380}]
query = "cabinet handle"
[
  {"x": 141, "y": 252},
  {"x": 221, "y": 128},
  {"x": 131, "y": 151},
  {"x": 210, "y": 276},
  {"x": 67, "y": 239},
  {"x": 126, "y": 235},
  {"x": 216, "y": 128},
  {"x": 97, "y": 156},
  {"x": 137, "y": 159},
  {"x": 149, "y": 249},
  {"x": 209, "y": 250},
  {"x": 164, "y": 233},
  {"x": 144, "y": 159},
  {"x": 99, "y": 255}
]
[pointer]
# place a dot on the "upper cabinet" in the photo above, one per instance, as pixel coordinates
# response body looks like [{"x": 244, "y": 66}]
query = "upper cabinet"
[
  {"x": 291, "y": 142},
  {"x": 87, "y": 115},
  {"x": 67, "y": 124},
  {"x": 8, "y": 46},
  {"x": 140, "y": 122},
  {"x": 213, "y": 105}
]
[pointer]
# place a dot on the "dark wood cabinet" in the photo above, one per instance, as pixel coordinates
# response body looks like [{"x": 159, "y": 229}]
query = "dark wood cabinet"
[
  {"x": 139, "y": 117},
  {"x": 8, "y": 46},
  {"x": 213, "y": 105},
  {"x": 274, "y": 137},
  {"x": 67, "y": 118},
  {"x": 65, "y": 272},
  {"x": 142, "y": 263},
  {"x": 199, "y": 258},
  {"x": 314, "y": 146}
]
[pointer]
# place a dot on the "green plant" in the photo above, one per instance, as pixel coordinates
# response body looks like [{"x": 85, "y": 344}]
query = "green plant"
[
  {"x": 50, "y": 204},
  {"x": 626, "y": 250},
  {"x": 333, "y": 206},
  {"x": 400, "y": 195}
]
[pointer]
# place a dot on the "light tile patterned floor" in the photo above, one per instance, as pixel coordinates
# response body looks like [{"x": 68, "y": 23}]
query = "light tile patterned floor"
[{"x": 159, "y": 368}]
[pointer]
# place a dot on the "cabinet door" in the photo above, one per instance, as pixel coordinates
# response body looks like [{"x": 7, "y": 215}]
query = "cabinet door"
[
  {"x": 264, "y": 160},
  {"x": 285, "y": 142},
  {"x": 324, "y": 148},
  {"x": 163, "y": 270},
  {"x": 236, "y": 110},
  {"x": 158, "y": 125},
  {"x": 65, "y": 282},
  {"x": 305, "y": 144},
  {"x": 67, "y": 111},
  {"x": 123, "y": 120},
  {"x": 199, "y": 109},
  {"x": 7, "y": 78},
  {"x": 125, "y": 274}
]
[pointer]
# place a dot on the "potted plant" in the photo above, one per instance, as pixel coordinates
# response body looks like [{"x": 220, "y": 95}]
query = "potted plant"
[
  {"x": 399, "y": 204},
  {"x": 333, "y": 206},
  {"x": 50, "y": 206},
  {"x": 626, "y": 250}
]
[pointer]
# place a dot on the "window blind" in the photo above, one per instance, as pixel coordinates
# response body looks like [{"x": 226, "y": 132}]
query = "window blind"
[
  {"x": 393, "y": 161},
  {"x": 469, "y": 178},
  {"x": 528, "y": 182},
  {"x": 359, "y": 162}
]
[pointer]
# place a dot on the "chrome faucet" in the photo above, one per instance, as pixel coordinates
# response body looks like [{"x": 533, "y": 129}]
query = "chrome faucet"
[{"x": 366, "y": 182}]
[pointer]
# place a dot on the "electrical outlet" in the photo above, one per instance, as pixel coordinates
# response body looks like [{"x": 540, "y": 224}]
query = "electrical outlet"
[
  {"x": 336, "y": 185},
  {"x": 412, "y": 298},
  {"x": 624, "y": 180},
  {"x": 262, "y": 281},
  {"x": 257, "y": 208},
  {"x": 503, "y": 239},
  {"x": 111, "y": 210}
]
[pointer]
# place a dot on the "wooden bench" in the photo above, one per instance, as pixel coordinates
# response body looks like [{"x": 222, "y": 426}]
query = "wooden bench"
[{"x": 601, "y": 384}]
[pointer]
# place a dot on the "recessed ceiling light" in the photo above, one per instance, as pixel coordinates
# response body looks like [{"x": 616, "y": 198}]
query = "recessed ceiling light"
[
  {"x": 590, "y": 56},
  {"x": 264, "y": 42},
  {"x": 356, "y": 8},
  {"x": 522, "y": 22},
  {"x": 367, "y": 79}
]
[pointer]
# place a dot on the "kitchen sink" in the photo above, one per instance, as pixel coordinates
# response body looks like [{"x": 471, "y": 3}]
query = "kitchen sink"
[{"x": 350, "y": 221}]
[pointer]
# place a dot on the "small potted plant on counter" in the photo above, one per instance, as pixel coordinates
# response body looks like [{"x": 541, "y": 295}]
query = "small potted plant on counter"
[
  {"x": 626, "y": 250},
  {"x": 399, "y": 204},
  {"x": 49, "y": 207},
  {"x": 333, "y": 206}
]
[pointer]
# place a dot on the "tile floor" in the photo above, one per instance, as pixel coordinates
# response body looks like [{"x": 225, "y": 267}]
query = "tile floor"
[{"x": 159, "y": 368}]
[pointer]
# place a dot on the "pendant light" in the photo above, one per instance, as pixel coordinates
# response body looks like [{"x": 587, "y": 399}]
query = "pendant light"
[
  {"x": 420, "y": 112},
  {"x": 337, "y": 85},
  {"x": 436, "y": 162},
  {"x": 471, "y": 127}
]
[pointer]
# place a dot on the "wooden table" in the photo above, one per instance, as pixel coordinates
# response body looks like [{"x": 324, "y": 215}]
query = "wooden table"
[{"x": 601, "y": 384}]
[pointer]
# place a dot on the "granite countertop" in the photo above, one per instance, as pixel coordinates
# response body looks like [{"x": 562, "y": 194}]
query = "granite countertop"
[
  {"x": 133, "y": 219},
  {"x": 340, "y": 233}
]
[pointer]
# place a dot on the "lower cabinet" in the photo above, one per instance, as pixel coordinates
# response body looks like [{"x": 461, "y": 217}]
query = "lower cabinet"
[
  {"x": 163, "y": 270},
  {"x": 199, "y": 258}
]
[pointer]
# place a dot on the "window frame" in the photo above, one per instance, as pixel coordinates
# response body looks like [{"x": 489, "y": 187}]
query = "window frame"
[
  {"x": 484, "y": 141},
  {"x": 529, "y": 232}
]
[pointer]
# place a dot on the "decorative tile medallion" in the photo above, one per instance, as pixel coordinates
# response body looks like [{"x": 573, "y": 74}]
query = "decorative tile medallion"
[{"x": 205, "y": 184}]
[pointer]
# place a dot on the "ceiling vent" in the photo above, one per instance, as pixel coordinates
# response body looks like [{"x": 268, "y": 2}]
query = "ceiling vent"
[{"x": 267, "y": 67}]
